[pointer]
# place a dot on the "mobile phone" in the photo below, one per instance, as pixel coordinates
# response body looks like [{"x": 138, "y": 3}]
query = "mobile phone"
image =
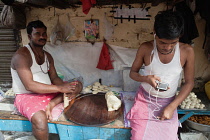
[{"x": 162, "y": 86}]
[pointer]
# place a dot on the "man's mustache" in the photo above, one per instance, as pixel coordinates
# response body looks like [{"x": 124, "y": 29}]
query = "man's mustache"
[{"x": 42, "y": 40}]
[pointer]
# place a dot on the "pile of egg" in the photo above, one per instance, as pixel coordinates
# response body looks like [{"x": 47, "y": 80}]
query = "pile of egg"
[
  {"x": 9, "y": 93},
  {"x": 95, "y": 88},
  {"x": 192, "y": 102}
]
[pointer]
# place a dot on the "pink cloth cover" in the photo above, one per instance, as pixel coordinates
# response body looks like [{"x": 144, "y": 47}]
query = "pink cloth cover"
[
  {"x": 143, "y": 122},
  {"x": 28, "y": 104}
]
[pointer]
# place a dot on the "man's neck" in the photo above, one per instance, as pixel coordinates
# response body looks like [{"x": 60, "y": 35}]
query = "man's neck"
[
  {"x": 39, "y": 49},
  {"x": 171, "y": 52}
]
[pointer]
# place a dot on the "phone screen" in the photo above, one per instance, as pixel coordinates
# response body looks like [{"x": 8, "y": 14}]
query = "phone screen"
[{"x": 162, "y": 86}]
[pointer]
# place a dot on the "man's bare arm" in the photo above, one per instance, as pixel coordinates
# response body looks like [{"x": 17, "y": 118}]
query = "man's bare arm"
[
  {"x": 52, "y": 72},
  {"x": 143, "y": 56},
  {"x": 22, "y": 62},
  {"x": 188, "y": 76}
]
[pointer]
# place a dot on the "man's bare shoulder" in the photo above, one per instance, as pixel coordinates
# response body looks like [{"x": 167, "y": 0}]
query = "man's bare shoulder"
[
  {"x": 23, "y": 51},
  {"x": 186, "y": 48},
  {"x": 146, "y": 46},
  {"x": 21, "y": 54}
]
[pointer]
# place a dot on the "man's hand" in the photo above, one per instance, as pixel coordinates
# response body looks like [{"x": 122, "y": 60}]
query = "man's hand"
[
  {"x": 68, "y": 87},
  {"x": 151, "y": 79},
  {"x": 48, "y": 112},
  {"x": 73, "y": 94},
  {"x": 167, "y": 113}
]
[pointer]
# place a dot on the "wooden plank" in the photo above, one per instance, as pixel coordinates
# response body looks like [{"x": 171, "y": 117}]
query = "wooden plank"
[
  {"x": 107, "y": 133},
  {"x": 91, "y": 133},
  {"x": 15, "y": 125},
  {"x": 6, "y": 115},
  {"x": 85, "y": 133},
  {"x": 122, "y": 134},
  {"x": 23, "y": 126},
  {"x": 70, "y": 132}
]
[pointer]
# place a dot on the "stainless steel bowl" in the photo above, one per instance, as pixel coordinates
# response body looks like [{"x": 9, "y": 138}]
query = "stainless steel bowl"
[{"x": 198, "y": 126}]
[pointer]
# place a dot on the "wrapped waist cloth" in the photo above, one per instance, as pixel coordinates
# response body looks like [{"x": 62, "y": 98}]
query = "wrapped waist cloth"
[
  {"x": 28, "y": 104},
  {"x": 144, "y": 121}
]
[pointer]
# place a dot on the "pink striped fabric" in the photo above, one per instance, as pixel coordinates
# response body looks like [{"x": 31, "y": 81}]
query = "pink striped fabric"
[{"x": 143, "y": 122}]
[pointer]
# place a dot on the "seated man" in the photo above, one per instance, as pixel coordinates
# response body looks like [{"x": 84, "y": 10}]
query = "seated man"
[{"x": 35, "y": 81}]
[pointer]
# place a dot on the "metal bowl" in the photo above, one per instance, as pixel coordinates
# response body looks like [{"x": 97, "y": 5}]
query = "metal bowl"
[{"x": 198, "y": 126}]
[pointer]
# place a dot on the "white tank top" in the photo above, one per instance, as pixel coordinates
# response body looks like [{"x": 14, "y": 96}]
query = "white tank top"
[
  {"x": 168, "y": 73},
  {"x": 39, "y": 74}
]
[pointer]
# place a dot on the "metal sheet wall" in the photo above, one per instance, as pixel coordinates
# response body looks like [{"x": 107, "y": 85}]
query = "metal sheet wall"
[{"x": 8, "y": 46}]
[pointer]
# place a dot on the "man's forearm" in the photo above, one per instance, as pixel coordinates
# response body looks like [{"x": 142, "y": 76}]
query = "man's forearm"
[
  {"x": 137, "y": 77},
  {"x": 58, "y": 99},
  {"x": 184, "y": 92},
  {"x": 57, "y": 81}
]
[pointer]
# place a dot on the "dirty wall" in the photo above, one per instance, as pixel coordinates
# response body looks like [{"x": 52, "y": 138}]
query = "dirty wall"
[{"x": 126, "y": 34}]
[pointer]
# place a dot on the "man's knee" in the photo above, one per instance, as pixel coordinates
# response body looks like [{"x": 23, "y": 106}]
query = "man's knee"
[{"x": 39, "y": 121}]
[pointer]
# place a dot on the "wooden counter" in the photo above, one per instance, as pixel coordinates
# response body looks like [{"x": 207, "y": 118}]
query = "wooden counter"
[{"x": 68, "y": 130}]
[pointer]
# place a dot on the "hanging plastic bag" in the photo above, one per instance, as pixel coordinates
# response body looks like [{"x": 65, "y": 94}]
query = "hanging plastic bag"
[
  {"x": 69, "y": 29},
  {"x": 56, "y": 37},
  {"x": 13, "y": 17},
  {"x": 109, "y": 28}
]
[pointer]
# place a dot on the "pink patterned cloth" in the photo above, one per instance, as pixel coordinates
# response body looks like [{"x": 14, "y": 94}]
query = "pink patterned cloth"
[
  {"x": 28, "y": 104},
  {"x": 143, "y": 121}
]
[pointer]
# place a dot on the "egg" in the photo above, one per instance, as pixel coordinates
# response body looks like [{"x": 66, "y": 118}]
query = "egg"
[{"x": 191, "y": 102}]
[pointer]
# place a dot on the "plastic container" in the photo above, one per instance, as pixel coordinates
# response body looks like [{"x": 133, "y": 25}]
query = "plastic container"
[
  {"x": 207, "y": 89},
  {"x": 60, "y": 75},
  {"x": 198, "y": 126},
  {"x": 193, "y": 136}
]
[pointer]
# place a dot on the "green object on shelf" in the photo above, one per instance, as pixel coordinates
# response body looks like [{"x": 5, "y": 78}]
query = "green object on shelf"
[{"x": 60, "y": 75}]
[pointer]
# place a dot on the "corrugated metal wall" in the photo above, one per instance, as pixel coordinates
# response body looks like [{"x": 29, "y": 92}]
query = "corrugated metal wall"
[{"x": 8, "y": 46}]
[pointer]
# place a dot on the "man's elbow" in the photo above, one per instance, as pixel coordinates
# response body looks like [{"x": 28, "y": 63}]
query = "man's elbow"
[
  {"x": 132, "y": 75},
  {"x": 28, "y": 87}
]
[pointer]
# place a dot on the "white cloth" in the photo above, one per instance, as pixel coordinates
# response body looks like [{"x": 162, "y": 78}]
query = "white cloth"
[
  {"x": 168, "y": 73},
  {"x": 79, "y": 59},
  {"x": 39, "y": 74}
]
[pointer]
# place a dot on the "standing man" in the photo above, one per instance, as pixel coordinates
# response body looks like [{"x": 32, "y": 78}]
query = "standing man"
[
  {"x": 35, "y": 81},
  {"x": 154, "y": 114}
]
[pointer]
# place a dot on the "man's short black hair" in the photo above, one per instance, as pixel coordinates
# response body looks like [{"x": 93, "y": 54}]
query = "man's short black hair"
[
  {"x": 35, "y": 24},
  {"x": 169, "y": 25}
]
